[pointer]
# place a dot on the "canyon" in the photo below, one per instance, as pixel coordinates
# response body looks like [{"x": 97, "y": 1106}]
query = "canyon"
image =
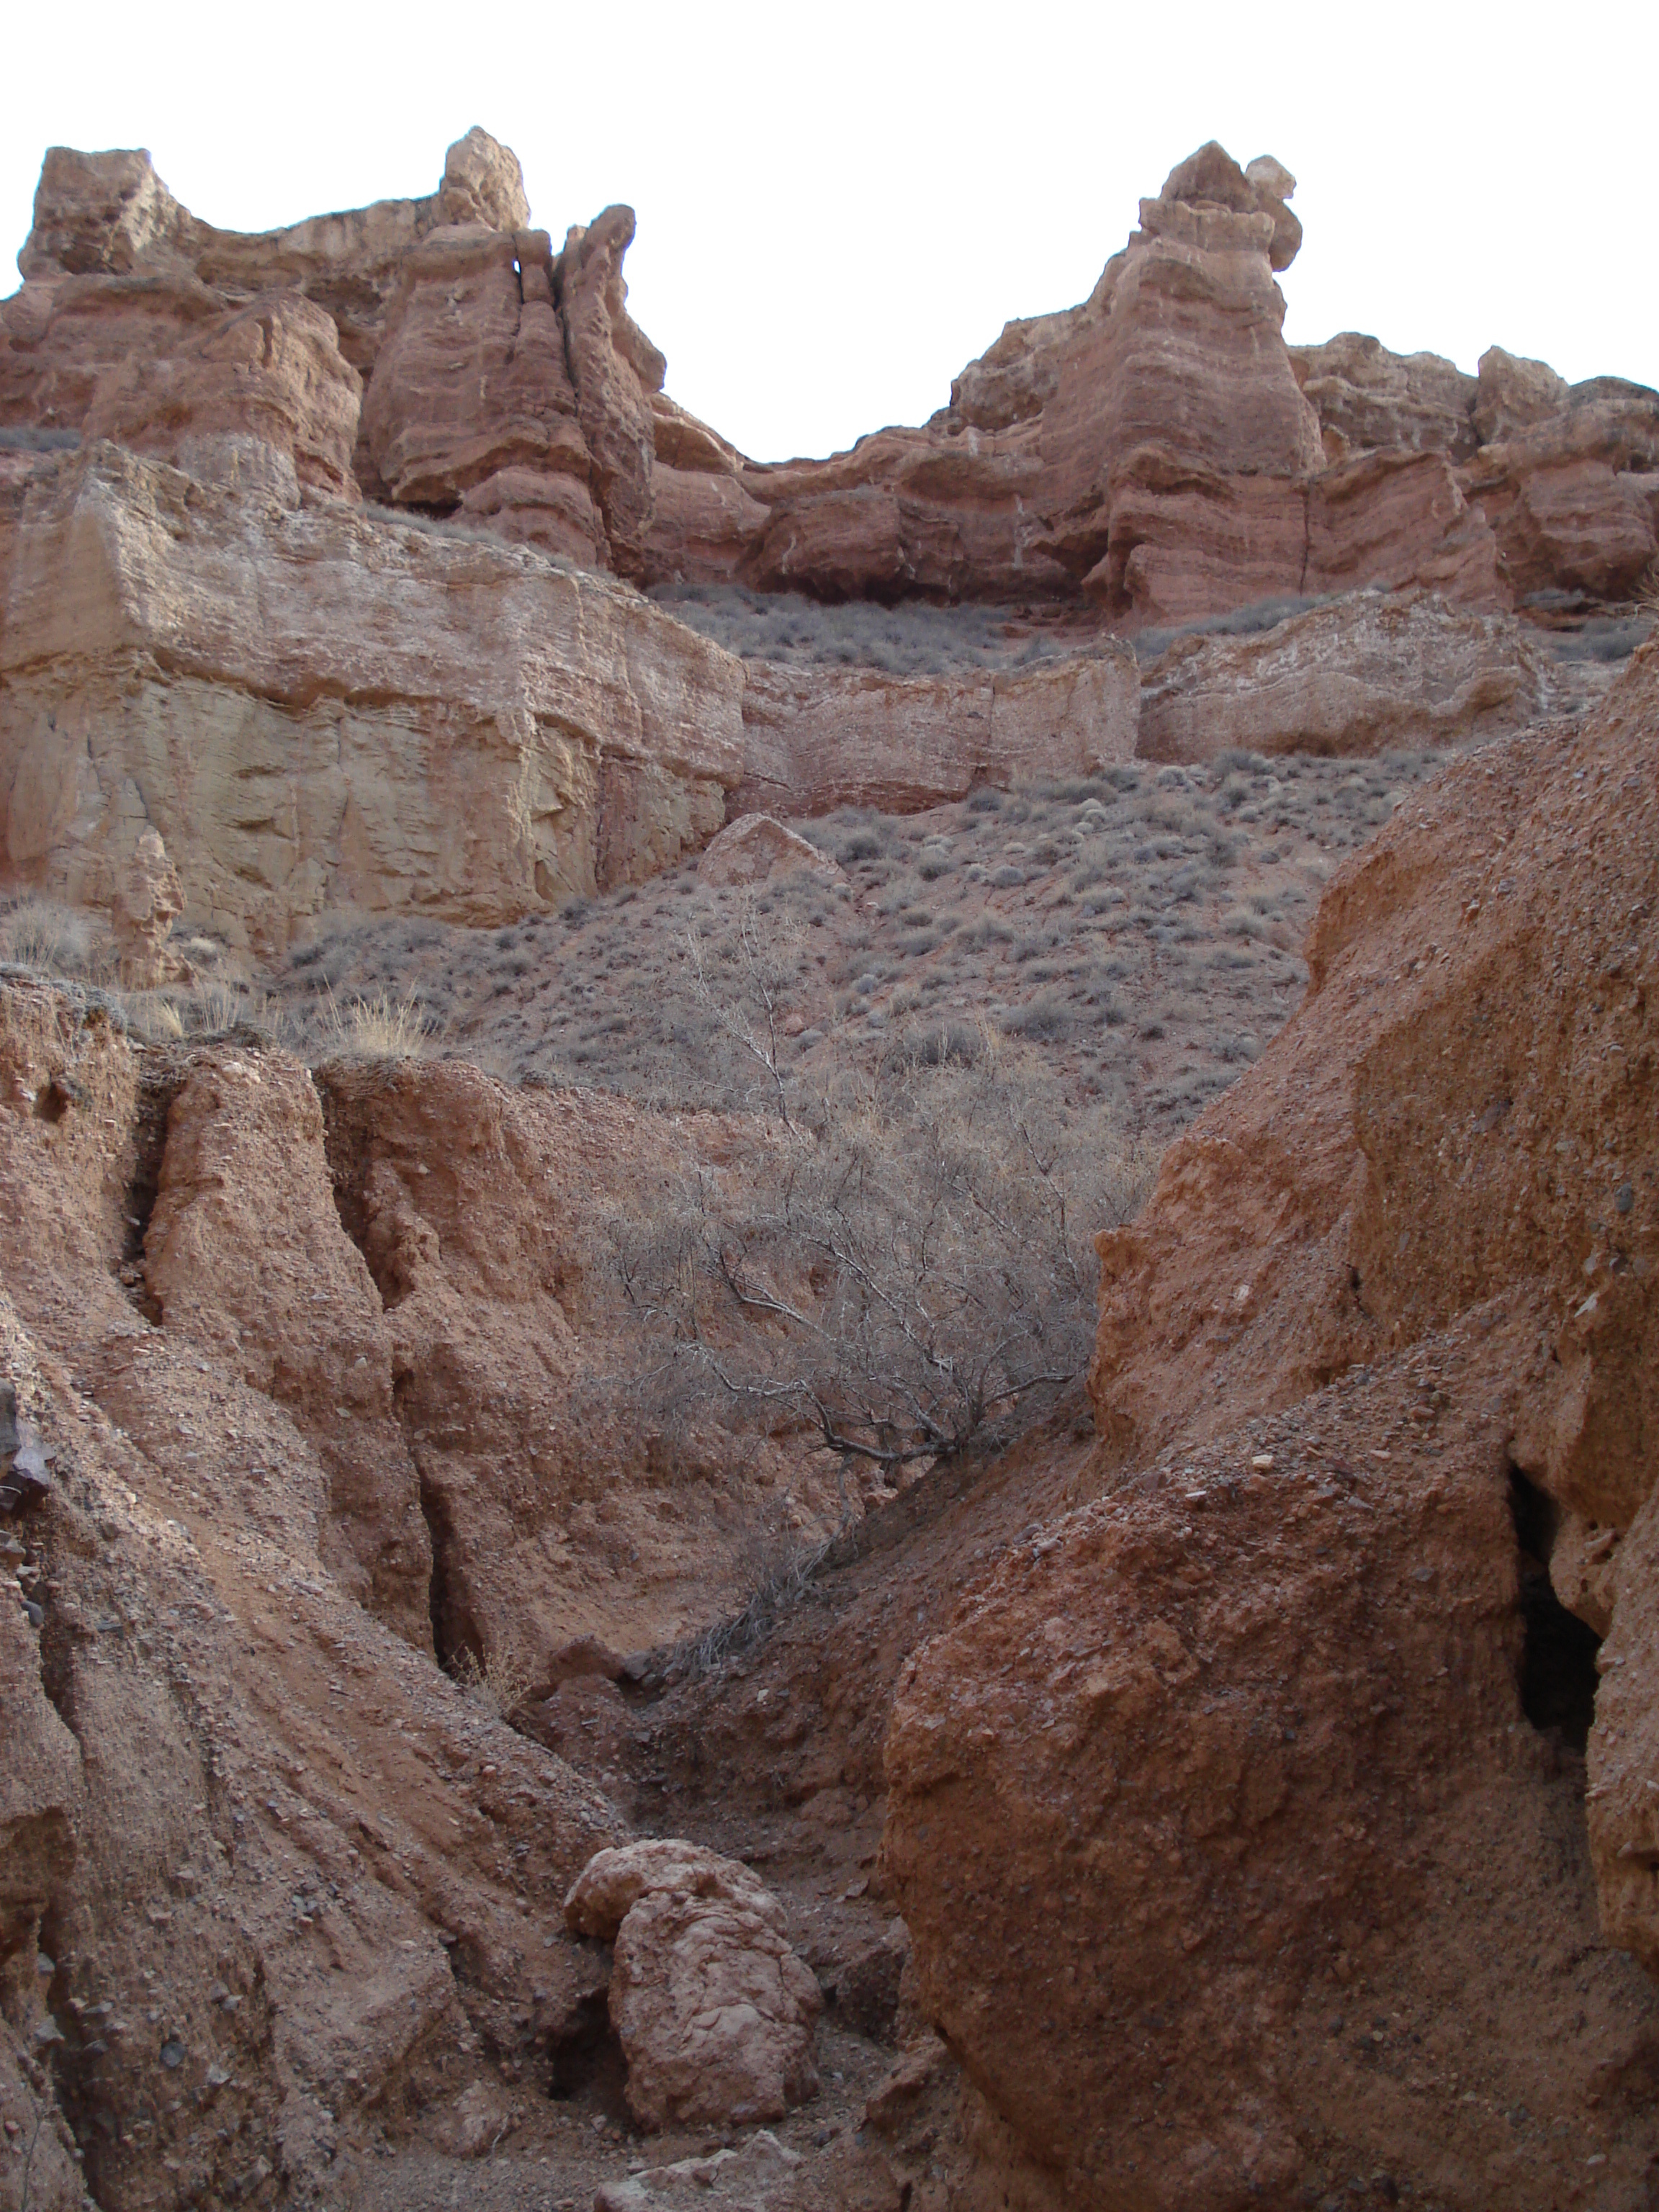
[{"x": 529, "y": 938}]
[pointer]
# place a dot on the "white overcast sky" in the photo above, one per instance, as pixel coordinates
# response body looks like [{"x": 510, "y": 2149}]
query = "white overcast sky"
[{"x": 839, "y": 204}]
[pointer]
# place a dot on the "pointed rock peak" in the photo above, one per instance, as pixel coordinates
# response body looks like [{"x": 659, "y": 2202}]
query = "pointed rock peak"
[
  {"x": 1211, "y": 175},
  {"x": 1271, "y": 176},
  {"x": 1211, "y": 178},
  {"x": 483, "y": 183}
]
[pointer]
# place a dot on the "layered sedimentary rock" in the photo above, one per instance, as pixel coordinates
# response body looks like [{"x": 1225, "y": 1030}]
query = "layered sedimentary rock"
[
  {"x": 1370, "y": 400},
  {"x": 1156, "y": 450},
  {"x": 1290, "y": 1713},
  {"x": 318, "y": 713},
  {"x": 1360, "y": 674},
  {"x": 818, "y": 737},
  {"x": 109, "y": 216},
  {"x": 1572, "y": 494}
]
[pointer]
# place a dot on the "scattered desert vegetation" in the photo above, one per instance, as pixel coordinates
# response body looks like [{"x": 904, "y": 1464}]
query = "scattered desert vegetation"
[
  {"x": 913, "y": 639},
  {"x": 1139, "y": 932},
  {"x": 968, "y": 1049},
  {"x": 378, "y": 1026}
]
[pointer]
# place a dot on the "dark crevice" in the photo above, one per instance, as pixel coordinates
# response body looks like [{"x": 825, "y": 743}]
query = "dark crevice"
[
  {"x": 1557, "y": 1658},
  {"x": 160, "y": 1082},
  {"x": 349, "y": 1099},
  {"x": 455, "y": 1636},
  {"x": 586, "y": 2059},
  {"x": 58, "y": 1664}
]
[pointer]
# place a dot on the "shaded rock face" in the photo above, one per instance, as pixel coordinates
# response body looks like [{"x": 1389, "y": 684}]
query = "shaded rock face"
[
  {"x": 565, "y": 1533},
  {"x": 714, "y": 2012},
  {"x": 1241, "y": 1810},
  {"x": 244, "y": 1256}
]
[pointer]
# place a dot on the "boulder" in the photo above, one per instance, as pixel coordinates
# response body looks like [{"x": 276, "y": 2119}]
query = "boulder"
[
  {"x": 1366, "y": 673},
  {"x": 714, "y": 2012},
  {"x": 755, "y": 847},
  {"x": 613, "y": 1881}
]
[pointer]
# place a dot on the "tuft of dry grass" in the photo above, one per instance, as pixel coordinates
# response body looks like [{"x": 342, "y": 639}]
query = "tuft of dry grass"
[
  {"x": 501, "y": 1681},
  {"x": 56, "y": 940},
  {"x": 378, "y": 1027},
  {"x": 208, "y": 1009}
]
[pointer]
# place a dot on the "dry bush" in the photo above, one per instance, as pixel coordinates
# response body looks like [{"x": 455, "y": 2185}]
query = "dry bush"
[
  {"x": 501, "y": 1681},
  {"x": 740, "y": 984},
  {"x": 911, "y": 640},
  {"x": 153, "y": 1016},
  {"x": 908, "y": 1270},
  {"x": 777, "y": 1573}
]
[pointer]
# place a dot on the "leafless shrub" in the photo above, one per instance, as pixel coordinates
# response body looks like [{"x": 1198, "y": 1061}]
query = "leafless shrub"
[
  {"x": 501, "y": 1681},
  {"x": 755, "y": 964},
  {"x": 906, "y": 1271},
  {"x": 777, "y": 1576}
]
